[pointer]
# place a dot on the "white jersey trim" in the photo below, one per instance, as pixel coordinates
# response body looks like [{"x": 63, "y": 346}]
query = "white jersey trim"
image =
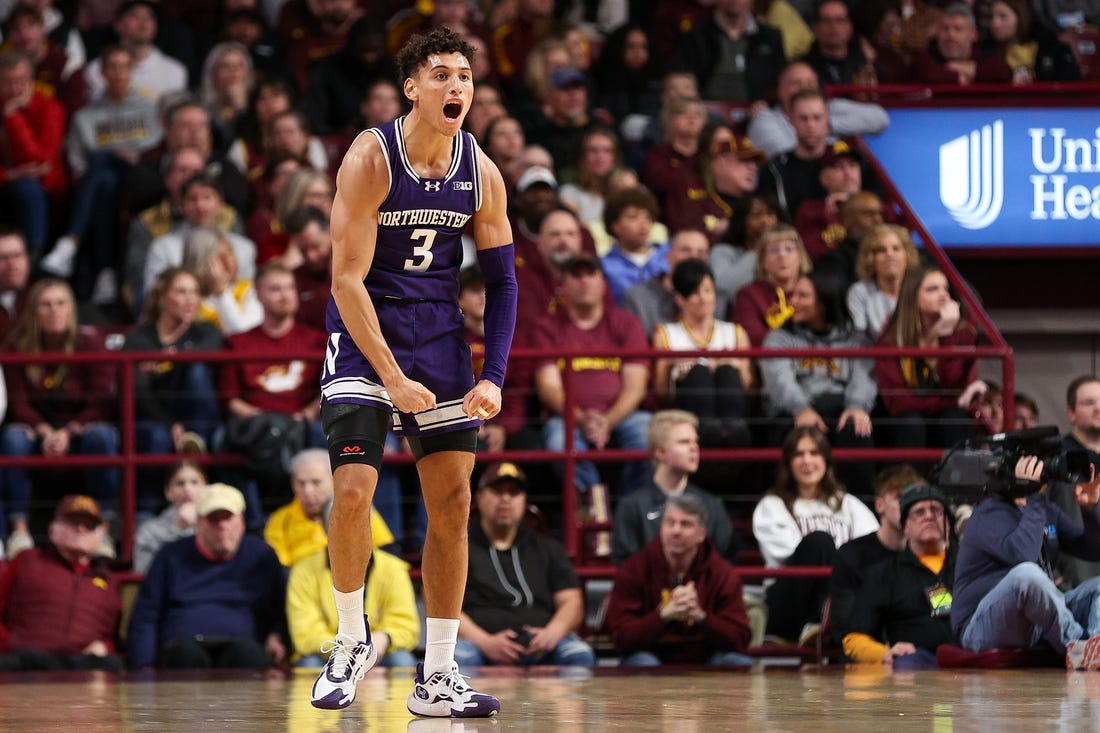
[
  {"x": 475, "y": 153},
  {"x": 456, "y": 152},
  {"x": 385, "y": 154}
]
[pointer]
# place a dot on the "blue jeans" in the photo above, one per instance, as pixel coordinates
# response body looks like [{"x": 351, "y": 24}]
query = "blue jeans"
[
  {"x": 98, "y": 439},
  {"x": 31, "y": 206},
  {"x": 1026, "y": 606},
  {"x": 920, "y": 659},
  {"x": 629, "y": 434},
  {"x": 96, "y": 191},
  {"x": 718, "y": 659},
  {"x": 396, "y": 658},
  {"x": 570, "y": 651}
]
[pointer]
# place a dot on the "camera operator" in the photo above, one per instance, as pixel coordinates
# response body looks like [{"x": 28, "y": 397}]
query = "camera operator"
[
  {"x": 1004, "y": 594},
  {"x": 1083, "y": 411}
]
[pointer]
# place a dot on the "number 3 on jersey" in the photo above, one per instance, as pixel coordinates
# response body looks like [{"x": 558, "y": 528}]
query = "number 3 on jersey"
[{"x": 422, "y": 253}]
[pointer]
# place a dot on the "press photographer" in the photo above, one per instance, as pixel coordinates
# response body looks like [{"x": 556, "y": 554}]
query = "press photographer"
[{"x": 1005, "y": 595}]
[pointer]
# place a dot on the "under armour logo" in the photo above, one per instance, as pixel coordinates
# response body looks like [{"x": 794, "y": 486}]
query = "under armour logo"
[{"x": 431, "y": 185}]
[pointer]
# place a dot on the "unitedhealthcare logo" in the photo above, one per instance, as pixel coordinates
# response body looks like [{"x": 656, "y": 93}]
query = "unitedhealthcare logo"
[{"x": 972, "y": 177}]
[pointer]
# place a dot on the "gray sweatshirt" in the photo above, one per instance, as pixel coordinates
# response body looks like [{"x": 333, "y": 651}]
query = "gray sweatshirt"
[
  {"x": 791, "y": 385},
  {"x": 109, "y": 125}
]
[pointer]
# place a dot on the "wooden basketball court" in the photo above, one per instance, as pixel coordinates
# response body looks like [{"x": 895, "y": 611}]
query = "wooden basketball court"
[{"x": 674, "y": 701}]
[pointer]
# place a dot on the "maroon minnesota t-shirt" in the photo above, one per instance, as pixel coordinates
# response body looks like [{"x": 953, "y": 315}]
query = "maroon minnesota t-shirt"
[{"x": 597, "y": 379}]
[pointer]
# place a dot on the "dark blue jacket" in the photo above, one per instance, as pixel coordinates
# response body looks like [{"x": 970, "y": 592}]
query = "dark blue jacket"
[
  {"x": 1001, "y": 535},
  {"x": 185, "y": 594}
]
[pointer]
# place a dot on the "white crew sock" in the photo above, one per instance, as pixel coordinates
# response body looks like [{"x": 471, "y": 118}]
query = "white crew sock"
[
  {"x": 439, "y": 645},
  {"x": 349, "y": 606}
]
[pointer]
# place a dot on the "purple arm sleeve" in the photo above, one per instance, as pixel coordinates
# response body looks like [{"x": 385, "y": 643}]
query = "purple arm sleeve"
[{"x": 498, "y": 267}]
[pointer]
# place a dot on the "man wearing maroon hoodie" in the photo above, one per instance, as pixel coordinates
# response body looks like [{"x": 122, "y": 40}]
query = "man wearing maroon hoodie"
[
  {"x": 59, "y": 606},
  {"x": 676, "y": 601}
]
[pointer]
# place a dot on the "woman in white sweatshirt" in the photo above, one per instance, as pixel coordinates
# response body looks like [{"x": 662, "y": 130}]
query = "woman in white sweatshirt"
[{"x": 800, "y": 522}]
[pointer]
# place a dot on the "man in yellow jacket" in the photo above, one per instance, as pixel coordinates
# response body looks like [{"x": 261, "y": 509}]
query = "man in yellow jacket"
[
  {"x": 389, "y": 603},
  {"x": 296, "y": 530}
]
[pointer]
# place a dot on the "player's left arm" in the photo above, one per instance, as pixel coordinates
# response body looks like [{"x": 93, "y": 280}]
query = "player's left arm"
[{"x": 496, "y": 257}]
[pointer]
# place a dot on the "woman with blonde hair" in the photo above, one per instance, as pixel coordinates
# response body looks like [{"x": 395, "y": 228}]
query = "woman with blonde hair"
[
  {"x": 228, "y": 301},
  {"x": 226, "y": 83},
  {"x": 305, "y": 187},
  {"x": 176, "y": 403},
  {"x": 764, "y": 305},
  {"x": 56, "y": 408},
  {"x": 885, "y": 253}
]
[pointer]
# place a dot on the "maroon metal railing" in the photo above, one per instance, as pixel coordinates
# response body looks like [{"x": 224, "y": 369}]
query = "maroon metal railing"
[{"x": 128, "y": 459}]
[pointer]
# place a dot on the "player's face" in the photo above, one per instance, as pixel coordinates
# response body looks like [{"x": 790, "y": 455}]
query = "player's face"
[{"x": 443, "y": 90}]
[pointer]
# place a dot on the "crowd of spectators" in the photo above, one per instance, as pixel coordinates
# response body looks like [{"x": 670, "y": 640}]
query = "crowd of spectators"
[{"x": 680, "y": 178}]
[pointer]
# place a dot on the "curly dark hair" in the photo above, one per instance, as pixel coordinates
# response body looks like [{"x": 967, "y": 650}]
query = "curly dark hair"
[{"x": 420, "y": 46}]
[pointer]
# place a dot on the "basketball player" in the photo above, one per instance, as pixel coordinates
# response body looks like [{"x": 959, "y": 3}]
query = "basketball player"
[{"x": 396, "y": 356}]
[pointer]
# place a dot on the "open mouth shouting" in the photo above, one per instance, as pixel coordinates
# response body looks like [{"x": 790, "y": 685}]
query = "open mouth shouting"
[{"x": 452, "y": 111}]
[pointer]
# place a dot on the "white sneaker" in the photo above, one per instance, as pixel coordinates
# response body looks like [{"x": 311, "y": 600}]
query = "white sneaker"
[
  {"x": 59, "y": 261},
  {"x": 446, "y": 695},
  {"x": 18, "y": 541},
  {"x": 349, "y": 660},
  {"x": 105, "y": 290}
]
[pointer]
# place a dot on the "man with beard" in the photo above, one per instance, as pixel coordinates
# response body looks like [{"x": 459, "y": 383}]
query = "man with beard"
[
  {"x": 523, "y": 605},
  {"x": 1083, "y": 410}
]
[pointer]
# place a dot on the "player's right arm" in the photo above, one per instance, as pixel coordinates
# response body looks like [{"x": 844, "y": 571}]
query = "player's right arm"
[{"x": 361, "y": 186}]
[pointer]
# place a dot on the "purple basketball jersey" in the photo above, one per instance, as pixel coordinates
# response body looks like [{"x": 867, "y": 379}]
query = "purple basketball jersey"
[{"x": 416, "y": 261}]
